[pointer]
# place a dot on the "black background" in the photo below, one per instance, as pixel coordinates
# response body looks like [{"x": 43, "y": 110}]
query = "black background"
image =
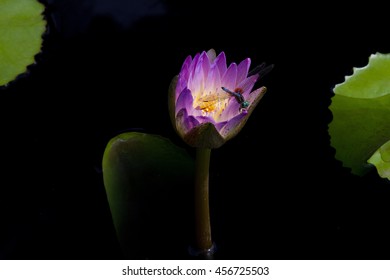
[{"x": 277, "y": 192}]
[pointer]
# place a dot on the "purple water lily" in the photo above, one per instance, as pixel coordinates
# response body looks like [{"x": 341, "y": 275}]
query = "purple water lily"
[{"x": 210, "y": 102}]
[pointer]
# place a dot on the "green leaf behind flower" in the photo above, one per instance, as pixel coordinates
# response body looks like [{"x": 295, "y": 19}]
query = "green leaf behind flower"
[
  {"x": 361, "y": 117},
  {"x": 22, "y": 25},
  {"x": 144, "y": 175}
]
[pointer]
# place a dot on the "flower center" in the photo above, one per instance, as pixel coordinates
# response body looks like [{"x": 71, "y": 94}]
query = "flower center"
[{"x": 211, "y": 103}]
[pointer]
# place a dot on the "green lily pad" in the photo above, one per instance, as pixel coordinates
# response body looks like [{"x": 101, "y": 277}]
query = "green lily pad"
[
  {"x": 22, "y": 25},
  {"x": 147, "y": 179},
  {"x": 381, "y": 160},
  {"x": 361, "y": 116}
]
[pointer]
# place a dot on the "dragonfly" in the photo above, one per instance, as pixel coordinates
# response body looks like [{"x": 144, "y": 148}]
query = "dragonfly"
[
  {"x": 211, "y": 102},
  {"x": 237, "y": 93}
]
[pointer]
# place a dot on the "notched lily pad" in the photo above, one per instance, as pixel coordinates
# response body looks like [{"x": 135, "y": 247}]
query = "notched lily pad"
[
  {"x": 22, "y": 26},
  {"x": 361, "y": 117}
]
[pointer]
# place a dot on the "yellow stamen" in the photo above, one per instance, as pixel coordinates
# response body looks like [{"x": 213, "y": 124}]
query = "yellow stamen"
[{"x": 211, "y": 104}]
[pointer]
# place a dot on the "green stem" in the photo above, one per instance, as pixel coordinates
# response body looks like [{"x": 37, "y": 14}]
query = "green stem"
[{"x": 202, "y": 211}]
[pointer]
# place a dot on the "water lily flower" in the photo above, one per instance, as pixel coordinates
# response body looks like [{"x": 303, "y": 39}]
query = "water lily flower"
[{"x": 209, "y": 103}]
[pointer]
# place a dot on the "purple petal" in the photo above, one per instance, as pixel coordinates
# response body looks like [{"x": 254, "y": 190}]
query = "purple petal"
[
  {"x": 232, "y": 124},
  {"x": 220, "y": 61},
  {"x": 186, "y": 64},
  {"x": 184, "y": 101},
  {"x": 193, "y": 65},
  {"x": 185, "y": 123},
  {"x": 232, "y": 109},
  {"x": 242, "y": 70},
  {"x": 181, "y": 85},
  {"x": 197, "y": 78},
  {"x": 203, "y": 56},
  {"x": 183, "y": 76},
  {"x": 205, "y": 119},
  {"x": 219, "y": 125},
  {"x": 205, "y": 67},
  {"x": 213, "y": 80},
  {"x": 258, "y": 93},
  {"x": 247, "y": 85},
  {"x": 229, "y": 79}
]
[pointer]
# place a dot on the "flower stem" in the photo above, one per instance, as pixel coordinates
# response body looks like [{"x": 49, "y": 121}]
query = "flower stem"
[{"x": 202, "y": 211}]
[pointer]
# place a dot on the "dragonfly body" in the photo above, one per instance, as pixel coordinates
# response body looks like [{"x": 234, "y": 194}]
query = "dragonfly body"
[{"x": 239, "y": 97}]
